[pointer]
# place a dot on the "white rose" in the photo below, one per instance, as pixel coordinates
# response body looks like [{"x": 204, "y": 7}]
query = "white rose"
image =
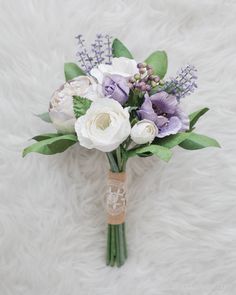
[
  {"x": 104, "y": 126},
  {"x": 61, "y": 104},
  {"x": 122, "y": 66},
  {"x": 143, "y": 132}
]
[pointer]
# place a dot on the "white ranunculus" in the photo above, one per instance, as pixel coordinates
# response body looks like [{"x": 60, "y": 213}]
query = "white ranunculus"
[
  {"x": 122, "y": 66},
  {"x": 61, "y": 104},
  {"x": 104, "y": 126},
  {"x": 143, "y": 132}
]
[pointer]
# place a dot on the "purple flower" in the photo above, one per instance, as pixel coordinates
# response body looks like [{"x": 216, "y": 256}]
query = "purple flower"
[
  {"x": 163, "y": 109},
  {"x": 116, "y": 87}
]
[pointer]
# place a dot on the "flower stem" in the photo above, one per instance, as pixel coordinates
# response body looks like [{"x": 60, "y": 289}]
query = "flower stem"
[
  {"x": 122, "y": 245},
  {"x": 124, "y": 238},
  {"x": 118, "y": 157},
  {"x": 117, "y": 246},
  {"x": 108, "y": 244},
  {"x": 116, "y": 240},
  {"x": 113, "y": 164},
  {"x": 113, "y": 246}
]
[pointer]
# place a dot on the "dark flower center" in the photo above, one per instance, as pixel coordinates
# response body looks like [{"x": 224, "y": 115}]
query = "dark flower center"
[{"x": 158, "y": 110}]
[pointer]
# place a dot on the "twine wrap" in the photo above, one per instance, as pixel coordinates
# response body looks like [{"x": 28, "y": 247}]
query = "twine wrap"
[{"x": 115, "y": 198}]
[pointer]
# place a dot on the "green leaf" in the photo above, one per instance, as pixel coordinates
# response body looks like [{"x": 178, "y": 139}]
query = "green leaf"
[
  {"x": 197, "y": 141},
  {"x": 45, "y": 117},
  {"x": 71, "y": 71},
  {"x": 81, "y": 105},
  {"x": 159, "y": 61},
  {"x": 194, "y": 117},
  {"x": 162, "y": 152},
  {"x": 119, "y": 50},
  {"x": 131, "y": 109},
  {"x": 52, "y": 145},
  {"x": 46, "y": 136},
  {"x": 136, "y": 99},
  {"x": 172, "y": 140}
]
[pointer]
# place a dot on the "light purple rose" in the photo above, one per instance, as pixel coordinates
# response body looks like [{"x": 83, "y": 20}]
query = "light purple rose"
[
  {"x": 163, "y": 109},
  {"x": 116, "y": 87}
]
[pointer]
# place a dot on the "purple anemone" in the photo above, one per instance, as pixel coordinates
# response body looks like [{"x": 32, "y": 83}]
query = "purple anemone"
[{"x": 163, "y": 109}]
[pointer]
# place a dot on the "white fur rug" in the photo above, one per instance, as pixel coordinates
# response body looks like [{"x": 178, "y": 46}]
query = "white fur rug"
[{"x": 181, "y": 224}]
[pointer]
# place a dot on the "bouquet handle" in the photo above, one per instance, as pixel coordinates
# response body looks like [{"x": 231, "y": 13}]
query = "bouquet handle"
[{"x": 116, "y": 203}]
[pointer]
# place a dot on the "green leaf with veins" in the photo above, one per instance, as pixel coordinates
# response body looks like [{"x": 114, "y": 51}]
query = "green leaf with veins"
[{"x": 81, "y": 105}]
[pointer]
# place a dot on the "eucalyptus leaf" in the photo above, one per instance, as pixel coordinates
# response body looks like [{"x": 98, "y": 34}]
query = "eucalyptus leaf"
[
  {"x": 160, "y": 151},
  {"x": 194, "y": 117},
  {"x": 81, "y": 105},
  {"x": 120, "y": 50},
  {"x": 52, "y": 145},
  {"x": 159, "y": 61},
  {"x": 45, "y": 117},
  {"x": 71, "y": 71},
  {"x": 197, "y": 141},
  {"x": 172, "y": 140}
]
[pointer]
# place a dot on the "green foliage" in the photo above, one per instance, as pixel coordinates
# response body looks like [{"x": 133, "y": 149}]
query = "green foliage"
[
  {"x": 46, "y": 136},
  {"x": 160, "y": 151},
  {"x": 136, "y": 98},
  {"x": 51, "y": 145},
  {"x": 71, "y": 71},
  {"x": 197, "y": 141},
  {"x": 194, "y": 117},
  {"x": 45, "y": 117},
  {"x": 120, "y": 50},
  {"x": 159, "y": 61},
  {"x": 81, "y": 105},
  {"x": 172, "y": 140}
]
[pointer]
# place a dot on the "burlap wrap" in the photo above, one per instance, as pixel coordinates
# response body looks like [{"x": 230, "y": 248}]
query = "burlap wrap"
[{"x": 115, "y": 198}]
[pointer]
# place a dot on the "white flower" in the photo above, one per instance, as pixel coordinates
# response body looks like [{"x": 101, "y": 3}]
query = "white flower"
[
  {"x": 104, "y": 126},
  {"x": 143, "y": 132},
  {"x": 61, "y": 105},
  {"x": 120, "y": 66}
]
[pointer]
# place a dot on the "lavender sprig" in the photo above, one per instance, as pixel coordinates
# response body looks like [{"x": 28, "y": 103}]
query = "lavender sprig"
[
  {"x": 108, "y": 49},
  {"x": 100, "y": 52},
  {"x": 99, "y": 48},
  {"x": 183, "y": 84},
  {"x": 85, "y": 59}
]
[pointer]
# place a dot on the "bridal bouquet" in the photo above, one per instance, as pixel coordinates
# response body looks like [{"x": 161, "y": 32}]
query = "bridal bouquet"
[{"x": 123, "y": 108}]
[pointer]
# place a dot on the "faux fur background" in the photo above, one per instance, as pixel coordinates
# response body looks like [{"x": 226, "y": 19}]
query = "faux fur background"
[{"x": 181, "y": 224}]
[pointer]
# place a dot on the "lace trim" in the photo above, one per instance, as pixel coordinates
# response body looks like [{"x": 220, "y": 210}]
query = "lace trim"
[{"x": 115, "y": 199}]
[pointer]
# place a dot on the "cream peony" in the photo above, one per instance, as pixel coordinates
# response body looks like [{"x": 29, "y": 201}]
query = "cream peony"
[
  {"x": 61, "y": 105},
  {"x": 104, "y": 126},
  {"x": 122, "y": 66},
  {"x": 144, "y": 132}
]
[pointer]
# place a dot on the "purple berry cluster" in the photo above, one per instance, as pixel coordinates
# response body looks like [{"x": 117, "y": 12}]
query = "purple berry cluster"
[{"x": 145, "y": 79}]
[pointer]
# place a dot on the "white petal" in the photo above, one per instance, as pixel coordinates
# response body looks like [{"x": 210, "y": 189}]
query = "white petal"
[{"x": 91, "y": 135}]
